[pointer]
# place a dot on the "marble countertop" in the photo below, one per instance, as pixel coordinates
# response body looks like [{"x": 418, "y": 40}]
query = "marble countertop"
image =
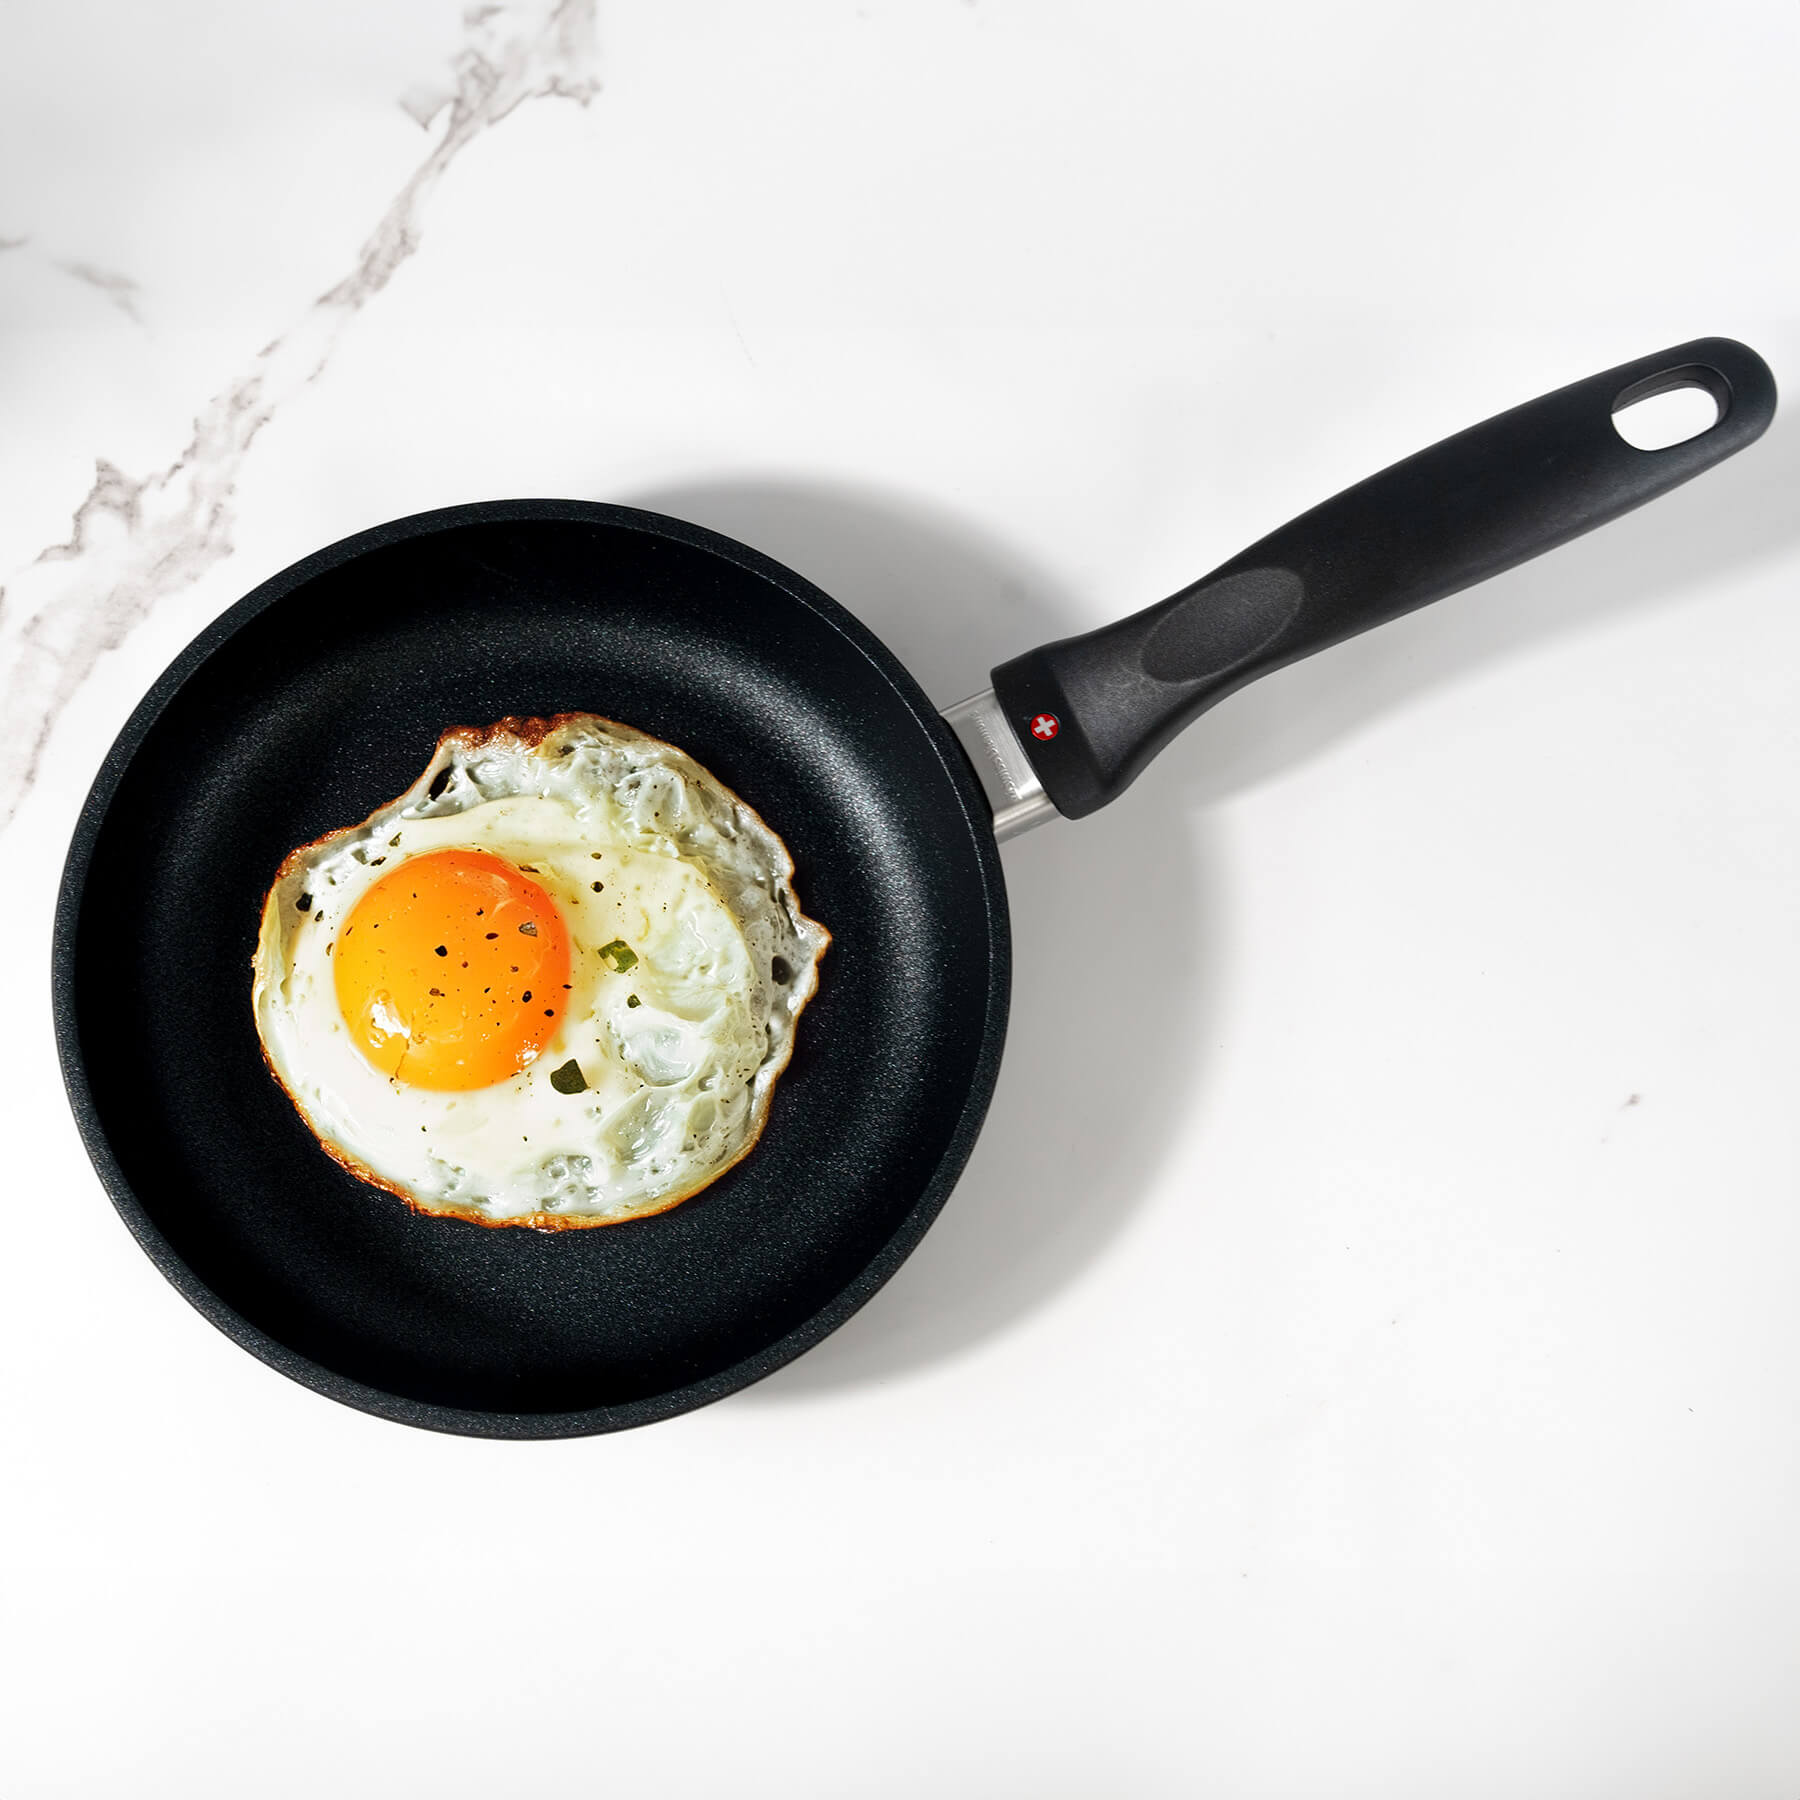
[{"x": 1361, "y": 1356}]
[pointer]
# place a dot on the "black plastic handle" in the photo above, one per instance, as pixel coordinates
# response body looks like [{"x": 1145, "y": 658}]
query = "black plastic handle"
[{"x": 1092, "y": 711}]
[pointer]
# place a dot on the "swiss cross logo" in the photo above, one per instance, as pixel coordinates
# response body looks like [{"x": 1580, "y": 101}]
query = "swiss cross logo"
[{"x": 1045, "y": 726}]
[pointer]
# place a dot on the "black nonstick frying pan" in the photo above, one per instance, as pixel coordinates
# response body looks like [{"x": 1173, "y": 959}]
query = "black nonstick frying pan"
[{"x": 321, "y": 695}]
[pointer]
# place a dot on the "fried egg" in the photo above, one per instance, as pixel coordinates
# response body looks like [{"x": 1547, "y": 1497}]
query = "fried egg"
[{"x": 553, "y": 984}]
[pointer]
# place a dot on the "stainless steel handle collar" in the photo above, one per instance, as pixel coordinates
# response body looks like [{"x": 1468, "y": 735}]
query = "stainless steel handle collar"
[{"x": 1005, "y": 773}]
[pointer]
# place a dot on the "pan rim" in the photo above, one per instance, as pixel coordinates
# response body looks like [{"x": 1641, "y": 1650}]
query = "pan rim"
[{"x": 472, "y": 1422}]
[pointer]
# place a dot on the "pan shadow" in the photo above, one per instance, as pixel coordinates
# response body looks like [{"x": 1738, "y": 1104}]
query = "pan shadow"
[{"x": 1096, "y": 1071}]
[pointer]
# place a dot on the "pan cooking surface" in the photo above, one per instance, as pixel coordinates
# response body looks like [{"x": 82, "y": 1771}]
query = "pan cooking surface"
[{"x": 320, "y": 697}]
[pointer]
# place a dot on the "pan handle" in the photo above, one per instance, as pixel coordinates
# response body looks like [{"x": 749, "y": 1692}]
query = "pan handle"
[{"x": 1090, "y": 712}]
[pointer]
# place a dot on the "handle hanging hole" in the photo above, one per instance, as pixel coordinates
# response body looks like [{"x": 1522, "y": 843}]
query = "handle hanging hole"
[{"x": 1669, "y": 416}]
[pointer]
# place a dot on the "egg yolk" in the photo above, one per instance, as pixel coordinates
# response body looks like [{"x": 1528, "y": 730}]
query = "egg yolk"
[{"x": 452, "y": 970}]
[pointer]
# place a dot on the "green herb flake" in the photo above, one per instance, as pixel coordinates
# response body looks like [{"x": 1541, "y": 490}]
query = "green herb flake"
[
  {"x": 633, "y": 1000},
  {"x": 618, "y": 956},
  {"x": 568, "y": 1079}
]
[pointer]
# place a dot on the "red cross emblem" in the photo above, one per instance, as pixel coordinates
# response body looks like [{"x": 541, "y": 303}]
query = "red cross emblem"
[{"x": 1045, "y": 726}]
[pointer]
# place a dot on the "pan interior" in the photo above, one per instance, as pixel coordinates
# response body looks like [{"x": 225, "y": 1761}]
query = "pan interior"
[{"x": 323, "y": 700}]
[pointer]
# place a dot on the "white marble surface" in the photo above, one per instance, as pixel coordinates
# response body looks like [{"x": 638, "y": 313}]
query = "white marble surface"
[{"x": 1362, "y": 1356}]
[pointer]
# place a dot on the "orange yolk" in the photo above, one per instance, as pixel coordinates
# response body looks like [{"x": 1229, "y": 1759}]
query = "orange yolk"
[{"x": 452, "y": 970}]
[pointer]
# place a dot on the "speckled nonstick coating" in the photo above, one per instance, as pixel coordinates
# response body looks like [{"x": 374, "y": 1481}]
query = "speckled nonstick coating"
[{"x": 320, "y": 696}]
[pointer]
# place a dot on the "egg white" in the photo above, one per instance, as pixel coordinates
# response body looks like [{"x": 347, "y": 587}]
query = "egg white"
[{"x": 677, "y": 1085}]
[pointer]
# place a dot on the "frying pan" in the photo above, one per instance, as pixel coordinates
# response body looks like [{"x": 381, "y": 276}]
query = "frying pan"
[{"x": 321, "y": 695}]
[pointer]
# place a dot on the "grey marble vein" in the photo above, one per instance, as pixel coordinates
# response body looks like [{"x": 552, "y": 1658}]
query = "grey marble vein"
[
  {"x": 121, "y": 290},
  {"x": 135, "y": 540}
]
